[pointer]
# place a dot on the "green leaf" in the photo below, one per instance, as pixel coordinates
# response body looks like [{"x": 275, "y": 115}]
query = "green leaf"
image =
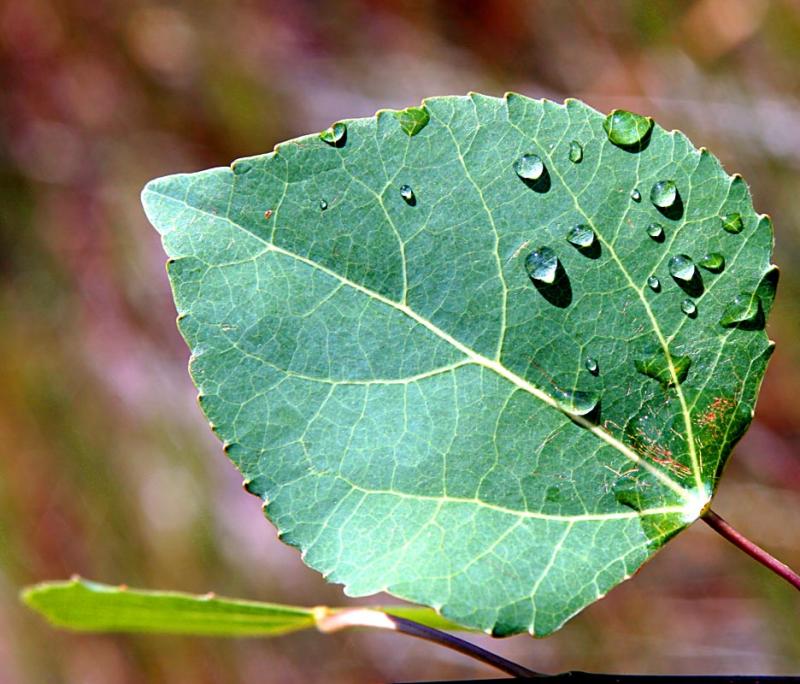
[
  {"x": 431, "y": 405},
  {"x": 86, "y": 606}
]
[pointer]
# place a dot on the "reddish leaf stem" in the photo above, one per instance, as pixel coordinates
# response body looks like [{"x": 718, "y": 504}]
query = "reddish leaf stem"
[{"x": 718, "y": 524}]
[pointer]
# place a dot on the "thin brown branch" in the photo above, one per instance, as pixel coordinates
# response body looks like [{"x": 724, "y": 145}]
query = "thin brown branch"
[{"x": 718, "y": 524}]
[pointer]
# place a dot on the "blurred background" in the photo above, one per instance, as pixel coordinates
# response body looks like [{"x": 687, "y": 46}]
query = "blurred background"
[{"x": 107, "y": 468}]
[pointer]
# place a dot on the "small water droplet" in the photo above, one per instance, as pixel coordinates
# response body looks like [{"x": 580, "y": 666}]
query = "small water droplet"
[
  {"x": 575, "y": 152},
  {"x": 733, "y": 223},
  {"x": 681, "y": 267},
  {"x": 688, "y": 307},
  {"x": 654, "y": 283},
  {"x": 655, "y": 231},
  {"x": 657, "y": 367},
  {"x": 713, "y": 261},
  {"x": 335, "y": 135},
  {"x": 626, "y": 128},
  {"x": 582, "y": 236},
  {"x": 323, "y": 205},
  {"x": 407, "y": 193},
  {"x": 664, "y": 194},
  {"x": 576, "y": 402},
  {"x": 636, "y": 196},
  {"x": 591, "y": 365},
  {"x": 542, "y": 264},
  {"x": 529, "y": 167},
  {"x": 745, "y": 308}
]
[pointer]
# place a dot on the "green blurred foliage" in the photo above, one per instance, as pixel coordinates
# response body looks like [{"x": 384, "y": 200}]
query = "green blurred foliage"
[{"x": 107, "y": 467}]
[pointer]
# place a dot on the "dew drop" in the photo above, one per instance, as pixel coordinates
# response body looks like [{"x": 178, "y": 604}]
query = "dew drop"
[
  {"x": 413, "y": 119},
  {"x": 626, "y": 128},
  {"x": 542, "y": 264},
  {"x": 407, "y": 193},
  {"x": 636, "y": 196},
  {"x": 654, "y": 283},
  {"x": 529, "y": 167},
  {"x": 657, "y": 367},
  {"x": 591, "y": 365},
  {"x": 655, "y": 231},
  {"x": 582, "y": 236},
  {"x": 576, "y": 402},
  {"x": 733, "y": 223},
  {"x": 681, "y": 267},
  {"x": 575, "y": 152},
  {"x": 713, "y": 261},
  {"x": 745, "y": 308},
  {"x": 323, "y": 205},
  {"x": 664, "y": 194},
  {"x": 688, "y": 307},
  {"x": 335, "y": 135}
]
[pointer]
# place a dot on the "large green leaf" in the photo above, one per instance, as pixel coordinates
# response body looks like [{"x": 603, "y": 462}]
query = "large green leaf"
[{"x": 433, "y": 343}]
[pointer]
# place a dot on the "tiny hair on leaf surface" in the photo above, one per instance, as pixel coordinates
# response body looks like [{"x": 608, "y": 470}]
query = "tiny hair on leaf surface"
[{"x": 455, "y": 400}]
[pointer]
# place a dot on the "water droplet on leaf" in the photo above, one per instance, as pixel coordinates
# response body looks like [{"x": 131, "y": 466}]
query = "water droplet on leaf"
[
  {"x": 713, "y": 261},
  {"x": 664, "y": 194},
  {"x": 335, "y": 135},
  {"x": 636, "y": 196},
  {"x": 542, "y": 264},
  {"x": 733, "y": 223},
  {"x": 591, "y": 365},
  {"x": 655, "y": 231},
  {"x": 576, "y": 402},
  {"x": 575, "y": 152},
  {"x": 407, "y": 193},
  {"x": 681, "y": 267},
  {"x": 529, "y": 167},
  {"x": 582, "y": 236},
  {"x": 626, "y": 128},
  {"x": 688, "y": 307},
  {"x": 657, "y": 367},
  {"x": 323, "y": 205},
  {"x": 413, "y": 119},
  {"x": 654, "y": 283},
  {"x": 745, "y": 308}
]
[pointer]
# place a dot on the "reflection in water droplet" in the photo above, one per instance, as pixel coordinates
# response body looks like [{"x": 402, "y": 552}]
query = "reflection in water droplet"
[
  {"x": 745, "y": 308},
  {"x": 529, "y": 167},
  {"x": 575, "y": 152},
  {"x": 407, "y": 193},
  {"x": 591, "y": 365},
  {"x": 713, "y": 261},
  {"x": 655, "y": 231},
  {"x": 664, "y": 194},
  {"x": 681, "y": 267},
  {"x": 581, "y": 236},
  {"x": 733, "y": 223},
  {"x": 688, "y": 307},
  {"x": 636, "y": 196},
  {"x": 412, "y": 119},
  {"x": 626, "y": 128},
  {"x": 657, "y": 367},
  {"x": 323, "y": 204},
  {"x": 542, "y": 264},
  {"x": 334, "y": 135},
  {"x": 654, "y": 283},
  {"x": 576, "y": 402}
]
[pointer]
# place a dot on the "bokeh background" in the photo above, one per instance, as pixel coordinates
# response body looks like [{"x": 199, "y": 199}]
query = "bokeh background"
[{"x": 107, "y": 468}]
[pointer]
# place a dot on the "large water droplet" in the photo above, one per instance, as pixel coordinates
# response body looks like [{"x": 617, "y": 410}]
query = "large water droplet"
[
  {"x": 542, "y": 264},
  {"x": 529, "y": 167},
  {"x": 582, "y": 236},
  {"x": 575, "y": 152},
  {"x": 323, "y": 205},
  {"x": 407, "y": 193},
  {"x": 657, "y": 367},
  {"x": 681, "y": 267},
  {"x": 733, "y": 223},
  {"x": 576, "y": 402},
  {"x": 655, "y": 231},
  {"x": 688, "y": 307},
  {"x": 335, "y": 135},
  {"x": 626, "y": 128},
  {"x": 636, "y": 196},
  {"x": 413, "y": 119},
  {"x": 654, "y": 283},
  {"x": 745, "y": 308},
  {"x": 664, "y": 194},
  {"x": 713, "y": 261},
  {"x": 591, "y": 365}
]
